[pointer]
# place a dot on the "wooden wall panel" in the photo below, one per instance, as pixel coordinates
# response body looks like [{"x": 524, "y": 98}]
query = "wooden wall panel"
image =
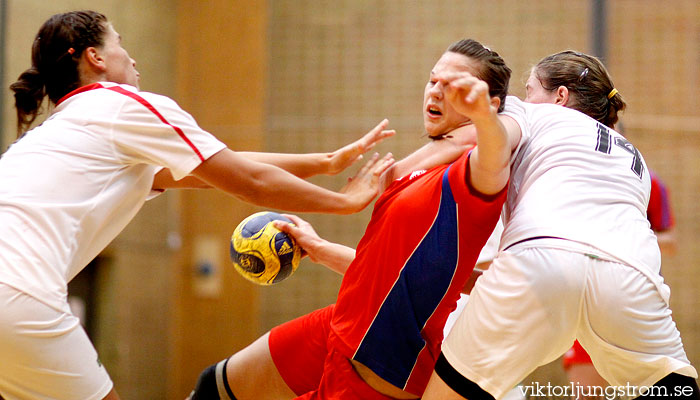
[{"x": 220, "y": 80}]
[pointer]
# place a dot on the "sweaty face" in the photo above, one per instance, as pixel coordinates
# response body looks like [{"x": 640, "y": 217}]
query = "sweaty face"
[
  {"x": 536, "y": 93},
  {"x": 120, "y": 68},
  {"x": 438, "y": 115}
]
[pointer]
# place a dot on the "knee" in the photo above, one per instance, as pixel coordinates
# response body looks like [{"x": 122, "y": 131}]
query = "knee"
[{"x": 213, "y": 384}]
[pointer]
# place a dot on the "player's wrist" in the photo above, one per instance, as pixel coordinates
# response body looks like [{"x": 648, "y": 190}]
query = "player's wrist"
[
  {"x": 488, "y": 117},
  {"x": 326, "y": 163},
  {"x": 349, "y": 203},
  {"x": 319, "y": 251}
]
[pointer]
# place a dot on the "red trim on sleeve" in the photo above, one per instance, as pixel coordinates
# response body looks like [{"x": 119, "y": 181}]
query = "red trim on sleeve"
[
  {"x": 141, "y": 100},
  {"x": 150, "y": 107}
]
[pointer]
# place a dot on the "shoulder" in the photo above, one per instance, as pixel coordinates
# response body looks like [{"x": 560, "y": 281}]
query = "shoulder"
[
  {"x": 131, "y": 100},
  {"x": 133, "y": 93}
]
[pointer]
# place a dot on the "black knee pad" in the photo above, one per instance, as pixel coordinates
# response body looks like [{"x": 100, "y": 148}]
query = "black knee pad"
[
  {"x": 459, "y": 383},
  {"x": 674, "y": 386},
  {"x": 212, "y": 384}
]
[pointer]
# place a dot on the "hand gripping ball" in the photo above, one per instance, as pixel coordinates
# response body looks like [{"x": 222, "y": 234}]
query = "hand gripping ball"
[{"x": 262, "y": 253}]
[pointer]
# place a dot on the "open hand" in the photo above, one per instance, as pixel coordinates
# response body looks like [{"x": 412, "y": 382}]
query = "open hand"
[
  {"x": 347, "y": 155},
  {"x": 364, "y": 186}
]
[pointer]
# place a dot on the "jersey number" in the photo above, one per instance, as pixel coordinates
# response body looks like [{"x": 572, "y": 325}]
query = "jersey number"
[{"x": 604, "y": 144}]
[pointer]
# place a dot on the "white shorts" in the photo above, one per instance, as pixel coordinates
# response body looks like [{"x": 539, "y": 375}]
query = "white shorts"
[
  {"x": 537, "y": 297},
  {"x": 45, "y": 353}
]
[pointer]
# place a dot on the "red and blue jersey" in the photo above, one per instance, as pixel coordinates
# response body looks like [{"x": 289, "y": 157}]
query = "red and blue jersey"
[{"x": 418, "y": 250}]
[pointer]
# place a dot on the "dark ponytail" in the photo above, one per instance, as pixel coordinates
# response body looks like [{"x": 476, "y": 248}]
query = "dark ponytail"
[
  {"x": 55, "y": 55},
  {"x": 29, "y": 93}
]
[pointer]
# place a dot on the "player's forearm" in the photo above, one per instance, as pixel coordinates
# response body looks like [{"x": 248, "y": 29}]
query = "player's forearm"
[
  {"x": 273, "y": 187},
  {"x": 492, "y": 141},
  {"x": 490, "y": 163},
  {"x": 269, "y": 186},
  {"x": 335, "y": 256},
  {"x": 301, "y": 165},
  {"x": 413, "y": 162},
  {"x": 429, "y": 156}
]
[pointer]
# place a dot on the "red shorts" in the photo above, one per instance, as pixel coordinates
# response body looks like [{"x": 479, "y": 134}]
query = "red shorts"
[
  {"x": 576, "y": 355},
  {"x": 341, "y": 382},
  {"x": 311, "y": 369},
  {"x": 298, "y": 349}
]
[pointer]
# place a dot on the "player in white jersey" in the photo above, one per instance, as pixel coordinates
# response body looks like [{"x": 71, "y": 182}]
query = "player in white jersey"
[
  {"x": 579, "y": 261},
  {"x": 70, "y": 185},
  {"x": 579, "y": 81}
]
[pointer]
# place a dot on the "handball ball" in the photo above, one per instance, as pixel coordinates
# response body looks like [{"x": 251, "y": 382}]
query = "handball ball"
[{"x": 262, "y": 253}]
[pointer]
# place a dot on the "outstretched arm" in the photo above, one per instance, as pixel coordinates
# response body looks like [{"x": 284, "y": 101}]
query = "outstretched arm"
[
  {"x": 306, "y": 165},
  {"x": 300, "y": 165},
  {"x": 270, "y": 186},
  {"x": 496, "y": 137},
  {"x": 335, "y": 256}
]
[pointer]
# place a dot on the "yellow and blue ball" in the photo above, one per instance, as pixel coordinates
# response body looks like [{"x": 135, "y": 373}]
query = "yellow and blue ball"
[{"x": 262, "y": 253}]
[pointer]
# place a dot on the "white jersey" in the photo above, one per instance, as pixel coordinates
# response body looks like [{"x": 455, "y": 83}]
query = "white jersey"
[
  {"x": 488, "y": 253},
  {"x": 576, "y": 179},
  {"x": 70, "y": 185},
  {"x": 490, "y": 249}
]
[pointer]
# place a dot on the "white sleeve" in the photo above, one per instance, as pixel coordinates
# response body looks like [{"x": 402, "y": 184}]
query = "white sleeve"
[
  {"x": 516, "y": 109},
  {"x": 153, "y": 129}
]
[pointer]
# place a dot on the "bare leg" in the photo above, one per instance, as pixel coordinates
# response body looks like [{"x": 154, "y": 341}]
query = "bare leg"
[
  {"x": 438, "y": 390},
  {"x": 252, "y": 375}
]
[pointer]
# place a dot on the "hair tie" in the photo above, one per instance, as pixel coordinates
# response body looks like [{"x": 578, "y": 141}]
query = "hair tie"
[
  {"x": 583, "y": 74},
  {"x": 612, "y": 93},
  {"x": 71, "y": 51}
]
